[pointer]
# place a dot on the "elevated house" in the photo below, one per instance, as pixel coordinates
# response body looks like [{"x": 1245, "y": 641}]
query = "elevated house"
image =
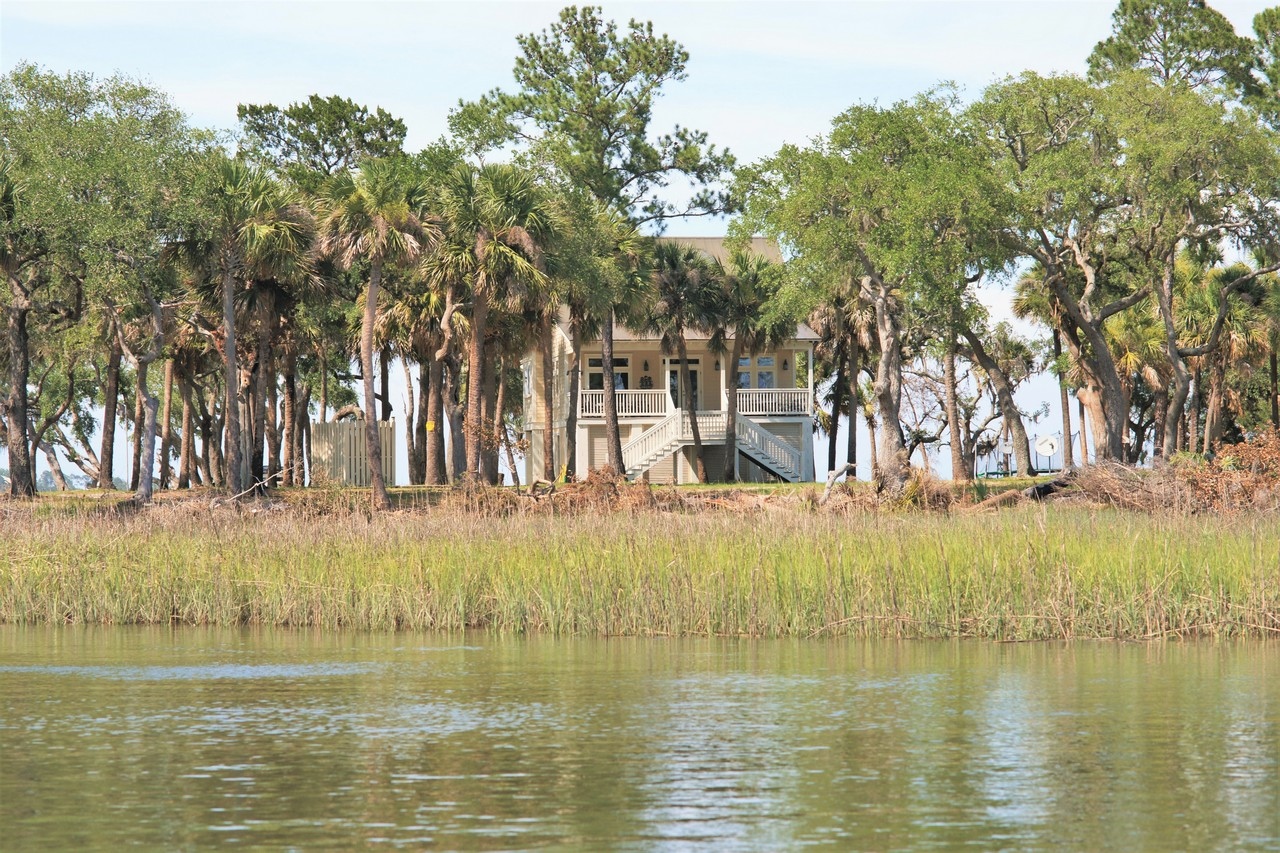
[{"x": 775, "y": 403}]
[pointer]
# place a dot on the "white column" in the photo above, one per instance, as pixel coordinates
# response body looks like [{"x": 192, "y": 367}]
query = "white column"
[
  {"x": 724, "y": 384},
  {"x": 666, "y": 383},
  {"x": 810, "y": 362}
]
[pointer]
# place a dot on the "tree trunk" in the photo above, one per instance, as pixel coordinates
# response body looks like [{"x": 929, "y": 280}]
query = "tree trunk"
[
  {"x": 1213, "y": 410},
  {"x": 436, "y": 473},
  {"x": 231, "y": 377},
  {"x": 373, "y": 443},
  {"x": 475, "y": 384},
  {"x": 571, "y": 417},
  {"x": 186, "y": 452},
  {"x": 21, "y": 483},
  {"x": 612, "y": 433},
  {"x": 384, "y": 364},
  {"x": 55, "y": 467},
  {"x": 302, "y": 450},
  {"x": 410, "y": 419},
  {"x": 491, "y": 386},
  {"x": 289, "y": 419},
  {"x": 1180, "y": 380},
  {"x": 139, "y": 421},
  {"x": 210, "y": 441},
  {"x": 1004, "y": 399},
  {"x": 837, "y": 400},
  {"x": 731, "y": 412},
  {"x": 959, "y": 472},
  {"x": 546, "y": 341},
  {"x": 691, "y": 408},
  {"x": 111, "y": 399},
  {"x": 166, "y": 428},
  {"x": 1274, "y": 362},
  {"x": 1068, "y": 452},
  {"x": 456, "y": 459},
  {"x": 855, "y": 403},
  {"x": 891, "y": 458},
  {"x": 145, "y": 458}
]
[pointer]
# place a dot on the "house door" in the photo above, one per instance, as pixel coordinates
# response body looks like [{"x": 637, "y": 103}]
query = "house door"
[{"x": 674, "y": 386}]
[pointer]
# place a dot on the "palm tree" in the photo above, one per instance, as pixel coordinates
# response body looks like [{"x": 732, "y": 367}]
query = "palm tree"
[
  {"x": 258, "y": 229},
  {"x": 378, "y": 215},
  {"x": 686, "y": 299},
  {"x": 497, "y": 219},
  {"x": 749, "y": 286}
]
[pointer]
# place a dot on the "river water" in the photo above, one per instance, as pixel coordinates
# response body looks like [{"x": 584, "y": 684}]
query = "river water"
[{"x": 186, "y": 738}]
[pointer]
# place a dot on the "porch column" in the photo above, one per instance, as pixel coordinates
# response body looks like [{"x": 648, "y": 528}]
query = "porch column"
[
  {"x": 724, "y": 384},
  {"x": 810, "y": 362},
  {"x": 666, "y": 383}
]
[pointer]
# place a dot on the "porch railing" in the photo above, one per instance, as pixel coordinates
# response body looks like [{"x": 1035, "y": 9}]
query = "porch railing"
[
  {"x": 631, "y": 404},
  {"x": 774, "y": 401}
]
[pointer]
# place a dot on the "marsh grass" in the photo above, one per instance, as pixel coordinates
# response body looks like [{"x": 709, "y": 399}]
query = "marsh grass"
[{"x": 1026, "y": 574}]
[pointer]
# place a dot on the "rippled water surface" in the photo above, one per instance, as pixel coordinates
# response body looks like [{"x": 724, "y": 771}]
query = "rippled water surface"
[{"x": 187, "y": 738}]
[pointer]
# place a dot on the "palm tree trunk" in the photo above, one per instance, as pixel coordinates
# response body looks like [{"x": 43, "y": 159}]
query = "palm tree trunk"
[
  {"x": 231, "y": 377},
  {"x": 851, "y": 453},
  {"x": 691, "y": 408},
  {"x": 139, "y": 421},
  {"x": 837, "y": 400},
  {"x": 166, "y": 428},
  {"x": 145, "y": 458},
  {"x": 731, "y": 412},
  {"x": 571, "y": 417},
  {"x": 475, "y": 384},
  {"x": 289, "y": 417},
  {"x": 186, "y": 453},
  {"x": 612, "y": 433},
  {"x": 384, "y": 373},
  {"x": 436, "y": 473},
  {"x": 210, "y": 441},
  {"x": 1275, "y": 391},
  {"x": 1068, "y": 452},
  {"x": 111, "y": 400},
  {"x": 410, "y": 419},
  {"x": 456, "y": 458},
  {"x": 547, "y": 341},
  {"x": 492, "y": 422},
  {"x": 373, "y": 443}
]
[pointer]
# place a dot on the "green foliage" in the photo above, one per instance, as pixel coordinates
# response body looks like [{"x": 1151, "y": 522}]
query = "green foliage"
[
  {"x": 311, "y": 140},
  {"x": 584, "y": 104},
  {"x": 1181, "y": 41}
]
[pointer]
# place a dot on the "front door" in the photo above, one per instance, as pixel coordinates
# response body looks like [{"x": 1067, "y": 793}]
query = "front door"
[{"x": 674, "y": 386}]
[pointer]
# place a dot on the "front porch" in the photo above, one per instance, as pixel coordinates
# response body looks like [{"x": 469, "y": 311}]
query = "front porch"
[{"x": 758, "y": 402}]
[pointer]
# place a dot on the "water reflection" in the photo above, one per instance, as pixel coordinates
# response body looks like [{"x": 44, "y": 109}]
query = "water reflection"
[{"x": 179, "y": 738}]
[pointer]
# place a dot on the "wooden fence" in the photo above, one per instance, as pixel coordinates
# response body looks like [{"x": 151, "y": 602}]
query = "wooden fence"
[{"x": 338, "y": 452}]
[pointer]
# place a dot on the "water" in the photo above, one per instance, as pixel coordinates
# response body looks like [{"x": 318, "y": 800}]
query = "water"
[{"x": 177, "y": 739}]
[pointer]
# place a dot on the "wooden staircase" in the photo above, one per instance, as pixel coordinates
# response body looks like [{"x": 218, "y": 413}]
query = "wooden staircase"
[{"x": 676, "y": 431}]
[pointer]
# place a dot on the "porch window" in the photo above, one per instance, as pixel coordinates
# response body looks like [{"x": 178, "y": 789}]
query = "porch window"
[{"x": 621, "y": 374}]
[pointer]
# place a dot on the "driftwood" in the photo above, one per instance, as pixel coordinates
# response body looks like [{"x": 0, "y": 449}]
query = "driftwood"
[
  {"x": 539, "y": 489},
  {"x": 1040, "y": 491},
  {"x": 831, "y": 482}
]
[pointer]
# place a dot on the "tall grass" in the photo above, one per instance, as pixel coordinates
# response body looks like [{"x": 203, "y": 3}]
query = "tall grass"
[{"x": 1025, "y": 574}]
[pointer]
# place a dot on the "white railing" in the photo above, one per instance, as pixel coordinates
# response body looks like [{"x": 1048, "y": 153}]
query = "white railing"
[
  {"x": 766, "y": 446},
  {"x": 631, "y": 404},
  {"x": 653, "y": 440},
  {"x": 774, "y": 401}
]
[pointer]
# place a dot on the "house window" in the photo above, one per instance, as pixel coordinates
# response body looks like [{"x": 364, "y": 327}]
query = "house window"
[
  {"x": 760, "y": 369},
  {"x": 621, "y": 374}
]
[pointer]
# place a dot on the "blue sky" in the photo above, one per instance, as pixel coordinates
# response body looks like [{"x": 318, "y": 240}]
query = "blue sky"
[{"x": 760, "y": 73}]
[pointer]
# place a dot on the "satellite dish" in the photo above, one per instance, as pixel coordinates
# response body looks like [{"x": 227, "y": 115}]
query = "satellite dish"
[{"x": 1047, "y": 445}]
